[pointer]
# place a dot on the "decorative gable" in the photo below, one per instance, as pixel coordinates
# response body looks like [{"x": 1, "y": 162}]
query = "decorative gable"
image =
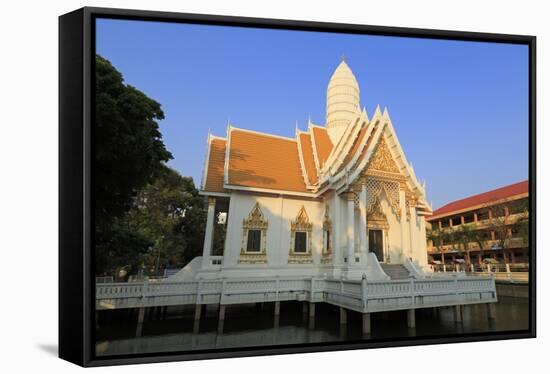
[{"x": 382, "y": 159}]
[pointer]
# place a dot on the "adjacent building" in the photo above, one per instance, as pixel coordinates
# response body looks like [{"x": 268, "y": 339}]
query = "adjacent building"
[{"x": 491, "y": 227}]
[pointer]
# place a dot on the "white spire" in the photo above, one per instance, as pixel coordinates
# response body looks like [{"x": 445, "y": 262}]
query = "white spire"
[{"x": 342, "y": 101}]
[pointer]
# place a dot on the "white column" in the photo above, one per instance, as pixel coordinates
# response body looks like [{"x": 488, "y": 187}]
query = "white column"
[
  {"x": 351, "y": 225},
  {"x": 363, "y": 220},
  {"x": 209, "y": 232},
  {"x": 421, "y": 242},
  {"x": 229, "y": 229},
  {"x": 337, "y": 227},
  {"x": 402, "y": 207},
  {"x": 412, "y": 231}
]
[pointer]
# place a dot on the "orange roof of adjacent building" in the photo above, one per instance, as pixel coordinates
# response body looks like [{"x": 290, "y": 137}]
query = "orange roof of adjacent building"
[{"x": 488, "y": 197}]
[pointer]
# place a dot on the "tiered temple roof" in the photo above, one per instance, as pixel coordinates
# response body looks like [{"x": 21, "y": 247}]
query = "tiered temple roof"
[{"x": 312, "y": 161}]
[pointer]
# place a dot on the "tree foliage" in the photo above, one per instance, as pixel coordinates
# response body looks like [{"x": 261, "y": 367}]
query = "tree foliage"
[
  {"x": 170, "y": 213},
  {"x": 146, "y": 214},
  {"x": 128, "y": 144}
]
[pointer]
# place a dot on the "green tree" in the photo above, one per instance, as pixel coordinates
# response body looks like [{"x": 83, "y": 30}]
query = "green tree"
[
  {"x": 129, "y": 153},
  {"x": 436, "y": 237},
  {"x": 128, "y": 144},
  {"x": 522, "y": 223},
  {"x": 465, "y": 235},
  {"x": 170, "y": 213}
]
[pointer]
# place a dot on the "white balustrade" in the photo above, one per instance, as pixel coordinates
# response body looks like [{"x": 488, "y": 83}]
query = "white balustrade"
[{"x": 357, "y": 295}]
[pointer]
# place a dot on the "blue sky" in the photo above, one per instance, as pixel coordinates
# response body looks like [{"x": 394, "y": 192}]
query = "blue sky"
[{"x": 460, "y": 109}]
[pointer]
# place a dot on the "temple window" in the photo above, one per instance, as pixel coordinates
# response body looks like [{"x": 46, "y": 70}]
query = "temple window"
[
  {"x": 300, "y": 239},
  {"x": 327, "y": 247},
  {"x": 300, "y": 242},
  {"x": 253, "y": 249},
  {"x": 254, "y": 240}
]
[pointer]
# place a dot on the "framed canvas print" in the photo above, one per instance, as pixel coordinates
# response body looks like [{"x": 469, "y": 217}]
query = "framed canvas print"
[{"x": 235, "y": 186}]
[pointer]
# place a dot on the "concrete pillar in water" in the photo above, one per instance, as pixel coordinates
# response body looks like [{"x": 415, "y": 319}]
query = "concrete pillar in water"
[
  {"x": 458, "y": 313},
  {"x": 343, "y": 316},
  {"x": 411, "y": 320},
  {"x": 491, "y": 312},
  {"x": 197, "y": 318},
  {"x": 221, "y": 318},
  {"x": 311, "y": 310},
  {"x": 141, "y": 318},
  {"x": 198, "y": 308},
  {"x": 277, "y": 308},
  {"x": 221, "y": 314},
  {"x": 304, "y": 307},
  {"x": 366, "y": 323}
]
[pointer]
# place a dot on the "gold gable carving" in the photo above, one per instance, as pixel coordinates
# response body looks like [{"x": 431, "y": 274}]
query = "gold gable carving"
[
  {"x": 376, "y": 219},
  {"x": 382, "y": 160},
  {"x": 302, "y": 221}
]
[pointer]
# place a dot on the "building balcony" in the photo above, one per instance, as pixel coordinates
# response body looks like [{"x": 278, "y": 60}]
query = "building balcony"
[{"x": 489, "y": 245}]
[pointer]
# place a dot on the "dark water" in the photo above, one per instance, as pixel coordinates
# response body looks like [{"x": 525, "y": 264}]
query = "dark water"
[{"x": 250, "y": 326}]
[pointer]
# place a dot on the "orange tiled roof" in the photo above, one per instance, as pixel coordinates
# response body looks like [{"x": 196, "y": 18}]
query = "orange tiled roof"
[
  {"x": 215, "y": 167},
  {"x": 323, "y": 145},
  {"x": 264, "y": 161},
  {"x": 354, "y": 147},
  {"x": 307, "y": 156},
  {"x": 482, "y": 198}
]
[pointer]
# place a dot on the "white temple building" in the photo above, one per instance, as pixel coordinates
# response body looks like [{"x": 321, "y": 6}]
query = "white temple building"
[
  {"x": 333, "y": 215},
  {"x": 337, "y": 200}
]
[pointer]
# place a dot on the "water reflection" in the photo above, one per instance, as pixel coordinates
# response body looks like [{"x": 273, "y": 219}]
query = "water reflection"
[{"x": 251, "y": 326}]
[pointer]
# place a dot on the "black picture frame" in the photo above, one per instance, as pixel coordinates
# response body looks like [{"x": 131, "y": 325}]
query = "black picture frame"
[{"x": 76, "y": 116}]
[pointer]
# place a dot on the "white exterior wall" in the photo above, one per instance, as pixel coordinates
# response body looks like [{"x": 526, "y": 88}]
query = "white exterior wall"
[
  {"x": 421, "y": 250},
  {"x": 279, "y": 213},
  {"x": 393, "y": 245},
  {"x": 339, "y": 230}
]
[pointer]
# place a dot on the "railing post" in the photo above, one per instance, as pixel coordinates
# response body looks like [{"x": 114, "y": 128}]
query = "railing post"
[
  {"x": 222, "y": 291},
  {"x": 341, "y": 290},
  {"x": 411, "y": 289},
  {"x": 199, "y": 289},
  {"x": 277, "y": 289}
]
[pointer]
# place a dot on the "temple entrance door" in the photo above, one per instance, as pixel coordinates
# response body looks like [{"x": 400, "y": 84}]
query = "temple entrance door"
[{"x": 375, "y": 244}]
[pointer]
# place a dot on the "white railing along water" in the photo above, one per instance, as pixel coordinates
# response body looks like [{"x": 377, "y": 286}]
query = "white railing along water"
[{"x": 363, "y": 296}]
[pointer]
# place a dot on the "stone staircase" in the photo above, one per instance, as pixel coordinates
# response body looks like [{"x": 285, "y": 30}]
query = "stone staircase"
[{"x": 396, "y": 271}]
